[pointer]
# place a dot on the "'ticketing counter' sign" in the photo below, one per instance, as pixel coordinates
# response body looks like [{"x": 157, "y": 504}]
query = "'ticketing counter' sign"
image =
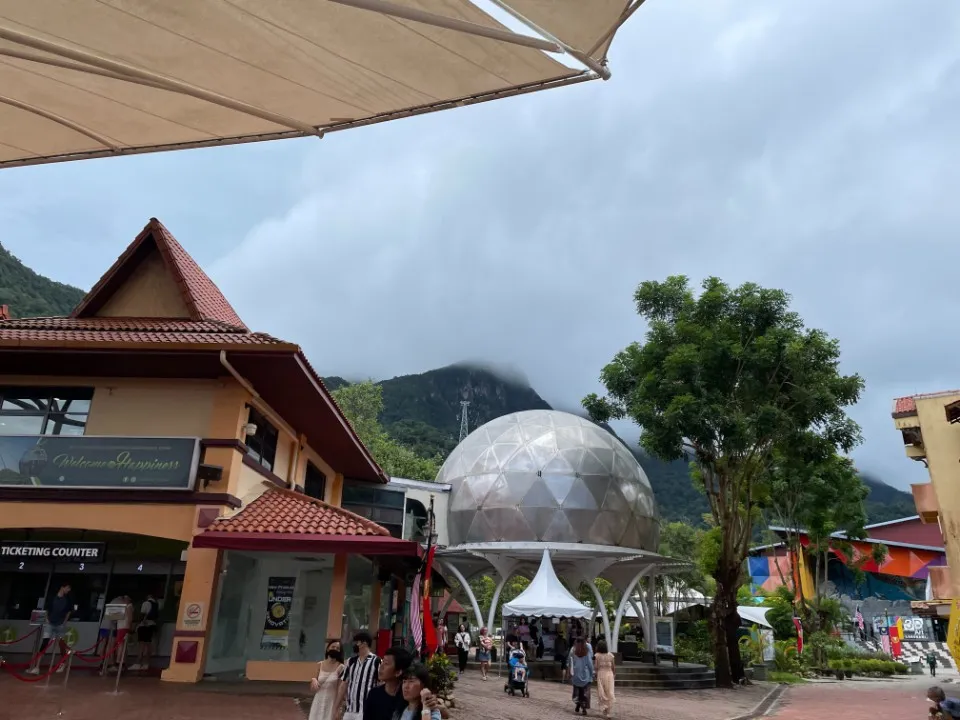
[{"x": 35, "y": 551}]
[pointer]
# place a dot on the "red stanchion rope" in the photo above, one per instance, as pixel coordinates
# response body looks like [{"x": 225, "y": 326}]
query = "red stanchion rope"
[
  {"x": 33, "y": 678},
  {"x": 29, "y": 662},
  {"x": 20, "y": 639},
  {"x": 99, "y": 658}
]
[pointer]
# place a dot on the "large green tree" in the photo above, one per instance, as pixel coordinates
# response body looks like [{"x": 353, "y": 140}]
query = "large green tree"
[
  {"x": 362, "y": 404},
  {"x": 730, "y": 376}
]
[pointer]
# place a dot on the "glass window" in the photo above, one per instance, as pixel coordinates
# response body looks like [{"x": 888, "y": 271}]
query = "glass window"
[
  {"x": 44, "y": 411},
  {"x": 356, "y": 604},
  {"x": 262, "y": 445},
  {"x": 314, "y": 482}
]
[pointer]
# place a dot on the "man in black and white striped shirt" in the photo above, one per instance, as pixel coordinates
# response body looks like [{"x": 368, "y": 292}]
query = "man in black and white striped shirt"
[{"x": 359, "y": 676}]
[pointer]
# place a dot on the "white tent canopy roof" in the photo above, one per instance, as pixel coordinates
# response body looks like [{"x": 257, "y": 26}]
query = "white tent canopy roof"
[
  {"x": 94, "y": 78},
  {"x": 546, "y": 596}
]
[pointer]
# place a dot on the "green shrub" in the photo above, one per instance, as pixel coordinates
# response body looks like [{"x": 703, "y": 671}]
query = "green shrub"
[
  {"x": 785, "y": 677},
  {"x": 785, "y": 659},
  {"x": 442, "y": 675},
  {"x": 694, "y": 645}
]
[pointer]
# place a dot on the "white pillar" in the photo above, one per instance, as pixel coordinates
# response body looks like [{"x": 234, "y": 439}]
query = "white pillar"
[
  {"x": 625, "y": 598},
  {"x": 652, "y": 614},
  {"x": 591, "y": 582},
  {"x": 504, "y": 570},
  {"x": 467, "y": 589}
]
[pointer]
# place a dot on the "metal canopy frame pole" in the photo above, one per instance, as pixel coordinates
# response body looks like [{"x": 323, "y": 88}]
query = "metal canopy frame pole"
[
  {"x": 134, "y": 74},
  {"x": 616, "y": 26},
  {"x": 428, "y": 18},
  {"x": 600, "y": 69}
]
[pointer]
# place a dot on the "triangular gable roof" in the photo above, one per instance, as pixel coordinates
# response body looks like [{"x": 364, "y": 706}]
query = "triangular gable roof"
[
  {"x": 201, "y": 296},
  {"x": 546, "y": 596}
]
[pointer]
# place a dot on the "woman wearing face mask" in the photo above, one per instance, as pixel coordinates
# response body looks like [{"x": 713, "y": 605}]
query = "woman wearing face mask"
[
  {"x": 416, "y": 691},
  {"x": 326, "y": 683}
]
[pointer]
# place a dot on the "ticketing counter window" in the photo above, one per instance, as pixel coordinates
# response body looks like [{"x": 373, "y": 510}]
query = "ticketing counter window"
[
  {"x": 22, "y": 589},
  {"x": 88, "y": 585}
]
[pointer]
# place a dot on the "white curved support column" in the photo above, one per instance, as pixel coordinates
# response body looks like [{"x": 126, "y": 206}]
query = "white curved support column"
[
  {"x": 638, "y": 610},
  {"x": 505, "y": 570},
  {"x": 466, "y": 589},
  {"x": 624, "y": 600},
  {"x": 592, "y": 584},
  {"x": 652, "y": 615}
]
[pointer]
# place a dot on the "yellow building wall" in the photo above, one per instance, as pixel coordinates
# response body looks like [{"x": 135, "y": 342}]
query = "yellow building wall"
[
  {"x": 150, "y": 291},
  {"x": 941, "y": 440},
  {"x": 152, "y": 407}
]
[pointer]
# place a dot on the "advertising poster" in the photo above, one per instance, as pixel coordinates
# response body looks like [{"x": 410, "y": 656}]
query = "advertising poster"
[{"x": 276, "y": 625}]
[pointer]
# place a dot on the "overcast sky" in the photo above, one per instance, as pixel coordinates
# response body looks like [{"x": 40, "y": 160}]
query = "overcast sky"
[{"x": 802, "y": 145}]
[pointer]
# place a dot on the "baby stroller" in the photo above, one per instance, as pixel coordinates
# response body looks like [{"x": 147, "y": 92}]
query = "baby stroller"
[{"x": 518, "y": 673}]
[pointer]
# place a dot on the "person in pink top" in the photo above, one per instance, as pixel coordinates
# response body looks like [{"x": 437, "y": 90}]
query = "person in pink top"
[{"x": 483, "y": 651}]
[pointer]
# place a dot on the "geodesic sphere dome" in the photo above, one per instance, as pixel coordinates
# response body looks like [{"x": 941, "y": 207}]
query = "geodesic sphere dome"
[{"x": 548, "y": 476}]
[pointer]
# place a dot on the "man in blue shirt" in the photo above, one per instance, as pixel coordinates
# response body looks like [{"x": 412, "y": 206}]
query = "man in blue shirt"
[
  {"x": 944, "y": 708},
  {"x": 56, "y": 626}
]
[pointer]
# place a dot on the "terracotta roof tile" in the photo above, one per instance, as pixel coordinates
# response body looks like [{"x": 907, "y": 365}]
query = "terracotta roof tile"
[
  {"x": 134, "y": 330},
  {"x": 904, "y": 405},
  {"x": 200, "y": 295},
  {"x": 206, "y": 297},
  {"x": 287, "y": 512}
]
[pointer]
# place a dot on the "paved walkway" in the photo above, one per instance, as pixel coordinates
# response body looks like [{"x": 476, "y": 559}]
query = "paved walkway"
[
  {"x": 551, "y": 700},
  {"x": 91, "y": 698},
  {"x": 900, "y": 699}
]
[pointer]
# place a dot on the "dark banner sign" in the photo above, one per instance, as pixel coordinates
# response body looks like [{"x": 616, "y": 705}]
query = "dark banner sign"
[
  {"x": 276, "y": 626},
  {"x": 98, "y": 462},
  {"x": 35, "y": 551}
]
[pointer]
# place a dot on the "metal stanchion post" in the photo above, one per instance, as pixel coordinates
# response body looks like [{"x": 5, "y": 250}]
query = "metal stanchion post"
[
  {"x": 66, "y": 679},
  {"x": 107, "y": 653},
  {"x": 123, "y": 657},
  {"x": 53, "y": 661}
]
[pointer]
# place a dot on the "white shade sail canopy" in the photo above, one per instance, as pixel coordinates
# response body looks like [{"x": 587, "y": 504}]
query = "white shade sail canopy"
[
  {"x": 754, "y": 615},
  {"x": 546, "y": 596},
  {"x": 95, "y": 78}
]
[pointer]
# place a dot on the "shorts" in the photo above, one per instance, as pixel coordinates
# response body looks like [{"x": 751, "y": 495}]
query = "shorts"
[
  {"x": 104, "y": 632},
  {"x": 483, "y": 656},
  {"x": 562, "y": 659},
  {"x": 54, "y": 631},
  {"x": 145, "y": 633}
]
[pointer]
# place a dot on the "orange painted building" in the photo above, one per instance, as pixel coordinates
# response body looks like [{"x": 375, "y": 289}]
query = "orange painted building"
[{"x": 151, "y": 443}]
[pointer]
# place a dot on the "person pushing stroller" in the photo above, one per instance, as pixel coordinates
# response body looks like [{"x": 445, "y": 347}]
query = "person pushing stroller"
[{"x": 517, "y": 660}]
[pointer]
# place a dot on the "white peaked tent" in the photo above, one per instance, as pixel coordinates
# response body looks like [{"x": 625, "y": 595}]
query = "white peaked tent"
[{"x": 546, "y": 597}]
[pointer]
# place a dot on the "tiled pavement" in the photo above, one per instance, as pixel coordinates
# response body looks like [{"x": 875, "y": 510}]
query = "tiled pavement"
[
  {"x": 90, "y": 698},
  {"x": 858, "y": 700},
  {"x": 550, "y": 700}
]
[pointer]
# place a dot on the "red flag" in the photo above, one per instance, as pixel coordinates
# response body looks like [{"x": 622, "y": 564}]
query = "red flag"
[
  {"x": 429, "y": 629},
  {"x": 799, "y": 626}
]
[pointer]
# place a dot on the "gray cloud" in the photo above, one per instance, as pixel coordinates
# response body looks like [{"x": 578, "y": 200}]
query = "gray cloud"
[{"x": 807, "y": 146}]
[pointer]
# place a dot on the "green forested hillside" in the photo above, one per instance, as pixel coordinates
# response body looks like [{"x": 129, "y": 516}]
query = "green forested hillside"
[
  {"x": 423, "y": 412},
  {"x": 31, "y": 295}
]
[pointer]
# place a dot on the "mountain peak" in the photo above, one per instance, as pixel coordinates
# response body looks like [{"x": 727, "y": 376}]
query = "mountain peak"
[{"x": 30, "y": 294}]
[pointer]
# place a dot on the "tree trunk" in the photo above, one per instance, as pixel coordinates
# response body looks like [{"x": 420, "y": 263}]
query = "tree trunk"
[{"x": 724, "y": 624}]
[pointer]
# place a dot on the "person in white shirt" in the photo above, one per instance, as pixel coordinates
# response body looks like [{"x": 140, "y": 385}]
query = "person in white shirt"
[
  {"x": 462, "y": 641},
  {"x": 149, "y": 614}
]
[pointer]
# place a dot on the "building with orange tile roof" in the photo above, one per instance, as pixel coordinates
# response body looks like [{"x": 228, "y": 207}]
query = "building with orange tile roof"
[{"x": 151, "y": 443}]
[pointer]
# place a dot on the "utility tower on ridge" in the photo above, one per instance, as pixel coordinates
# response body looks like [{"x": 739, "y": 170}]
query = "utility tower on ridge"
[{"x": 464, "y": 425}]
